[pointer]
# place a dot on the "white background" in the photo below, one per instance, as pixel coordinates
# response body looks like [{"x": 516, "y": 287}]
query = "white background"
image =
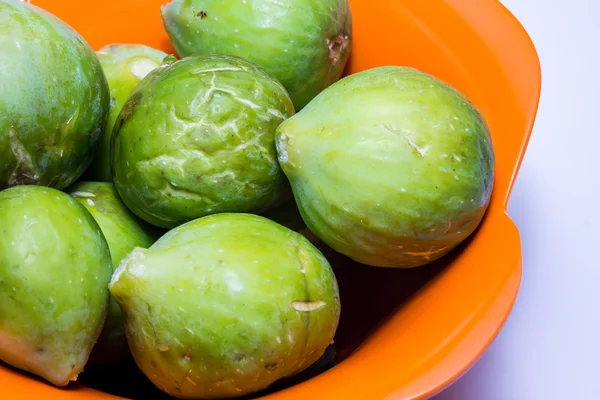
[{"x": 550, "y": 346}]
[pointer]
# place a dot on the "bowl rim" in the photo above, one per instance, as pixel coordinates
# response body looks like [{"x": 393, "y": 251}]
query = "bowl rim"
[
  {"x": 497, "y": 210},
  {"x": 527, "y": 134},
  {"x": 535, "y": 100}
]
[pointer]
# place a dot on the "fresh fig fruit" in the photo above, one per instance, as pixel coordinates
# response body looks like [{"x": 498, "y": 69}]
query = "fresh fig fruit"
[
  {"x": 226, "y": 305},
  {"x": 305, "y": 44},
  {"x": 54, "y": 99},
  {"x": 54, "y": 273},
  {"x": 197, "y": 137},
  {"x": 391, "y": 167}
]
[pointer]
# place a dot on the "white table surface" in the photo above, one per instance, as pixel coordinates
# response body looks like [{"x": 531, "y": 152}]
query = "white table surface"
[{"x": 550, "y": 346}]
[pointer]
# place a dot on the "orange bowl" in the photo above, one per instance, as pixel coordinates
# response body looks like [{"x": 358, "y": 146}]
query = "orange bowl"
[{"x": 403, "y": 334}]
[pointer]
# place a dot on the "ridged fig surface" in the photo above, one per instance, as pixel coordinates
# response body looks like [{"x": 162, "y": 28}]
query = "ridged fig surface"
[{"x": 197, "y": 137}]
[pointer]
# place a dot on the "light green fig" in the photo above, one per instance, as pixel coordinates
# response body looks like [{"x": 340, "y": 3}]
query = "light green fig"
[
  {"x": 123, "y": 232},
  {"x": 54, "y": 274},
  {"x": 197, "y": 137},
  {"x": 124, "y": 65},
  {"x": 226, "y": 305},
  {"x": 54, "y": 99},
  {"x": 391, "y": 166},
  {"x": 305, "y": 44}
]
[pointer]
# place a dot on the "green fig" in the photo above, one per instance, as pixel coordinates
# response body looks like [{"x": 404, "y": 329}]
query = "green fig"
[
  {"x": 391, "y": 167},
  {"x": 123, "y": 232},
  {"x": 54, "y": 274},
  {"x": 197, "y": 137},
  {"x": 226, "y": 305},
  {"x": 305, "y": 44},
  {"x": 54, "y": 99},
  {"x": 124, "y": 65}
]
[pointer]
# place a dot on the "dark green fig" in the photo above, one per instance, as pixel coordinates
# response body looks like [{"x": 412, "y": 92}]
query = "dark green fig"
[{"x": 54, "y": 99}]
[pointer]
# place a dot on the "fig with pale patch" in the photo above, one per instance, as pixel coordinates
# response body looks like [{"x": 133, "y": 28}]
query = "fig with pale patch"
[
  {"x": 226, "y": 305},
  {"x": 390, "y": 166},
  {"x": 197, "y": 137}
]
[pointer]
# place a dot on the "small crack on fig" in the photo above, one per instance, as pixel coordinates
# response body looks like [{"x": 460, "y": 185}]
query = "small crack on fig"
[
  {"x": 129, "y": 108},
  {"x": 271, "y": 366},
  {"x": 24, "y": 172},
  {"x": 429, "y": 253},
  {"x": 422, "y": 151},
  {"x": 186, "y": 377},
  {"x": 337, "y": 48},
  {"x": 307, "y": 306},
  {"x": 151, "y": 323},
  {"x": 83, "y": 194}
]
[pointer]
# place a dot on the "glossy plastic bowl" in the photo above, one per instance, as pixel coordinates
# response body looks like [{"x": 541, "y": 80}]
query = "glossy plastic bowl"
[{"x": 403, "y": 334}]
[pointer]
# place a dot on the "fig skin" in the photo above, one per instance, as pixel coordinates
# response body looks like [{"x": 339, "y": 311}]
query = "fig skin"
[
  {"x": 305, "y": 44},
  {"x": 390, "y": 166},
  {"x": 54, "y": 272},
  {"x": 226, "y": 305},
  {"x": 197, "y": 137},
  {"x": 54, "y": 99}
]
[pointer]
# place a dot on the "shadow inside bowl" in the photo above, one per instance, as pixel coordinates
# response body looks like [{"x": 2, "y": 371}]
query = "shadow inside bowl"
[
  {"x": 371, "y": 295},
  {"x": 123, "y": 379}
]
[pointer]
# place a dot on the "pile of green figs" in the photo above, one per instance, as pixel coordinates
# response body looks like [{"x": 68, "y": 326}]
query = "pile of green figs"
[{"x": 168, "y": 207}]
